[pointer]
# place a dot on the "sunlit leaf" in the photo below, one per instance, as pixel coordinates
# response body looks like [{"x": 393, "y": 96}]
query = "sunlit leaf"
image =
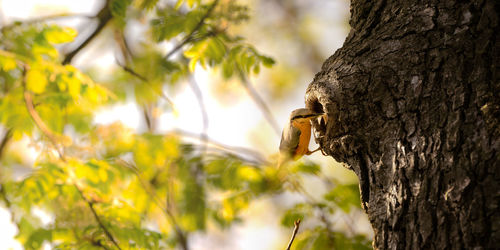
[
  {"x": 192, "y": 64},
  {"x": 7, "y": 63},
  {"x": 178, "y": 4},
  {"x": 36, "y": 80},
  {"x": 56, "y": 34}
]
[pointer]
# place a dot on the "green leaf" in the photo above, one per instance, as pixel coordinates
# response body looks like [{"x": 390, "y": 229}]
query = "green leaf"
[
  {"x": 322, "y": 240},
  {"x": 169, "y": 25},
  {"x": 37, "y": 238},
  {"x": 227, "y": 69},
  {"x": 256, "y": 69},
  {"x": 215, "y": 51},
  {"x": 299, "y": 211},
  {"x": 7, "y": 63},
  {"x": 308, "y": 168},
  {"x": 148, "y": 4},
  {"x": 345, "y": 196},
  {"x": 267, "y": 61},
  {"x": 118, "y": 9}
]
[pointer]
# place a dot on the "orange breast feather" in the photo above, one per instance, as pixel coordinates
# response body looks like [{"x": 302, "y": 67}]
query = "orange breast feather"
[{"x": 305, "y": 136}]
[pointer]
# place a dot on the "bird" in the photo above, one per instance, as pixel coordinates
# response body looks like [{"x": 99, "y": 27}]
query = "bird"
[{"x": 296, "y": 135}]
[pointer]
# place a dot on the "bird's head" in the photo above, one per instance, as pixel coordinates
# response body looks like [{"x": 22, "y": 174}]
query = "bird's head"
[{"x": 303, "y": 115}]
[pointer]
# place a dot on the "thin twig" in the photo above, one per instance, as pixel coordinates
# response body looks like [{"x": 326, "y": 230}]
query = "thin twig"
[
  {"x": 295, "y": 230},
  {"x": 170, "y": 216},
  {"x": 8, "y": 204},
  {"x": 97, "y": 218},
  {"x": 6, "y": 200},
  {"x": 260, "y": 103},
  {"x": 189, "y": 37},
  {"x": 28, "y": 100},
  {"x": 312, "y": 201},
  {"x": 149, "y": 117},
  {"x": 132, "y": 72},
  {"x": 5, "y": 140},
  {"x": 104, "y": 16},
  {"x": 52, "y": 138},
  {"x": 199, "y": 96},
  {"x": 230, "y": 149},
  {"x": 144, "y": 79},
  {"x": 122, "y": 43}
]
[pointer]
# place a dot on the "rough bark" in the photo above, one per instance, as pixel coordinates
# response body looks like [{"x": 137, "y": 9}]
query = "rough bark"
[{"x": 413, "y": 109}]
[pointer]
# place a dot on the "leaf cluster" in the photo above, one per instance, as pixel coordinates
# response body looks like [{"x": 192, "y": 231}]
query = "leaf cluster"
[{"x": 339, "y": 201}]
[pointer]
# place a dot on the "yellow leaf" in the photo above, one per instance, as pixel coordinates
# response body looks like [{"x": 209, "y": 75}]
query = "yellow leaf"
[
  {"x": 7, "y": 63},
  {"x": 227, "y": 210},
  {"x": 17, "y": 135},
  {"x": 74, "y": 87},
  {"x": 39, "y": 50},
  {"x": 192, "y": 64},
  {"x": 103, "y": 174},
  {"x": 178, "y": 4},
  {"x": 36, "y": 81},
  {"x": 249, "y": 173},
  {"x": 191, "y": 53},
  {"x": 62, "y": 85},
  {"x": 60, "y": 35}
]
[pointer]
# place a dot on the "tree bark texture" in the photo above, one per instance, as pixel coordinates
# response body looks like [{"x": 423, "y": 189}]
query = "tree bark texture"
[{"x": 413, "y": 109}]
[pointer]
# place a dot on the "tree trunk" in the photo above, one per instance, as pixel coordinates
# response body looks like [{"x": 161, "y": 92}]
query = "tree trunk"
[{"x": 413, "y": 109}]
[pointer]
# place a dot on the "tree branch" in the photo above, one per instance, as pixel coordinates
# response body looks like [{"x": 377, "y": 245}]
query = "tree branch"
[
  {"x": 144, "y": 79},
  {"x": 104, "y": 16},
  {"x": 8, "y": 204},
  {"x": 28, "y": 100},
  {"x": 199, "y": 96},
  {"x": 259, "y": 159},
  {"x": 261, "y": 104},
  {"x": 181, "y": 235},
  {"x": 52, "y": 138},
  {"x": 132, "y": 72},
  {"x": 295, "y": 230},
  {"x": 189, "y": 37},
  {"x": 97, "y": 218},
  {"x": 5, "y": 140}
]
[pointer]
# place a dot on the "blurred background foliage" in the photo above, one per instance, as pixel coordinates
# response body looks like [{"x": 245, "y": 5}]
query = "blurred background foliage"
[{"x": 71, "y": 178}]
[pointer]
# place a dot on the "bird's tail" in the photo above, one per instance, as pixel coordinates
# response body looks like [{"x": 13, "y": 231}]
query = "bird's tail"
[{"x": 282, "y": 159}]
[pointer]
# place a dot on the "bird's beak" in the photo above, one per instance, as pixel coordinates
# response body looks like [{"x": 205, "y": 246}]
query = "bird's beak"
[{"x": 314, "y": 115}]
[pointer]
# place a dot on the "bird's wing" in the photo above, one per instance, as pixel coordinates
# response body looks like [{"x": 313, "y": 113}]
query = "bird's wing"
[{"x": 289, "y": 139}]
